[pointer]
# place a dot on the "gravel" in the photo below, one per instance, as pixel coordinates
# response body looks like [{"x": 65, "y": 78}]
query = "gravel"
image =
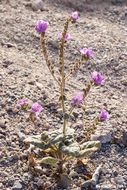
[{"x": 23, "y": 74}]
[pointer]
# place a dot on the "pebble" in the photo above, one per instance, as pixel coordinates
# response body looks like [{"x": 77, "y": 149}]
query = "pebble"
[
  {"x": 124, "y": 138},
  {"x": 17, "y": 186},
  {"x": 39, "y": 85},
  {"x": 2, "y": 124},
  {"x": 38, "y": 5},
  {"x": 120, "y": 180},
  {"x": 102, "y": 137},
  {"x": 115, "y": 2}
]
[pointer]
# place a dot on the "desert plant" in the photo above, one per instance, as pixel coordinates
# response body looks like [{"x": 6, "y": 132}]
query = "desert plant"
[{"x": 61, "y": 145}]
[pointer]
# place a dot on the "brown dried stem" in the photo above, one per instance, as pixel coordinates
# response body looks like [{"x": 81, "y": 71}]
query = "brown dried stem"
[
  {"x": 61, "y": 62},
  {"x": 87, "y": 89},
  {"x": 46, "y": 56},
  {"x": 74, "y": 68}
]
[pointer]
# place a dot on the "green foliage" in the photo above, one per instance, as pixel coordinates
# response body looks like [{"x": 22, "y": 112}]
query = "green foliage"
[{"x": 66, "y": 144}]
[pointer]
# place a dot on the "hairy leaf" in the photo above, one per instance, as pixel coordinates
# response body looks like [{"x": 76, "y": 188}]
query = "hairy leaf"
[{"x": 48, "y": 160}]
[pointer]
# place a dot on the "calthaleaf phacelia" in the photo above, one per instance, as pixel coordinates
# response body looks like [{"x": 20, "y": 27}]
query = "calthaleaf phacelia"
[
  {"x": 75, "y": 16},
  {"x": 104, "y": 115},
  {"x": 66, "y": 38},
  {"x": 97, "y": 78},
  {"x": 77, "y": 99},
  {"x": 41, "y": 26},
  {"x": 87, "y": 53},
  {"x": 36, "y": 108}
]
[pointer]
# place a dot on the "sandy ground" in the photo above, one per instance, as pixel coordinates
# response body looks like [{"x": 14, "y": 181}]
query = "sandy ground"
[{"x": 23, "y": 73}]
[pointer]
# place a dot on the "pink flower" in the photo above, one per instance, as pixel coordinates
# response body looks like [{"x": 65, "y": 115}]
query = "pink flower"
[
  {"x": 36, "y": 108},
  {"x": 87, "y": 52},
  {"x": 98, "y": 78},
  {"x": 41, "y": 26},
  {"x": 77, "y": 99},
  {"x": 75, "y": 16},
  {"x": 66, "y": 38},
  {"x": 104, "y": 115},
  {"x": 22, "y": 102}
]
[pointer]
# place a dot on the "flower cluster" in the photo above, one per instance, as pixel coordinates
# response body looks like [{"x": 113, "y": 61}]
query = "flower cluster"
[
  {"x": 41, "y": 26},
  {"x": 97, "y": 78},
  {"x": 23, "y": 103},
  {"x": 77, "y": 99},
  {"x": 75, "y": 16},
  {"x": 104, "y": 115},
  {"x": 87, "y": 53},
  {"x": 66, "y": 38},
  {"x": 35, "y": 108}
]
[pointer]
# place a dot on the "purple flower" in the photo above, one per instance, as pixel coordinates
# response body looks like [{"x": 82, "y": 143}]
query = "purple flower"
[
  {"x": 22, "y": 102},
  {"x": 66, "y": 38},
  {"x": 98, "y": 78},
  {"x": 104, "y": 115},
  {"x": 36, "y": 108},
  {"x": 75, "y": 16},
  {"x": 87, "y": 52},
  {"x": 41, "y": 26},
  {"x": 77, "y": 99}
]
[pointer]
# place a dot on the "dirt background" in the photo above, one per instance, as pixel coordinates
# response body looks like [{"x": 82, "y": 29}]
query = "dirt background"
[{"x": 23, "y": 73}]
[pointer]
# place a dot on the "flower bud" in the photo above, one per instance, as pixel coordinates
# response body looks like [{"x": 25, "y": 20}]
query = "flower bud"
[
  {"x": 77, "y": 99},
  {"x": 36, "y": 108},
  {"x": 87, "y": 53},
  {"x": 97, "y": 78},
  {"x": 23, "y": 103},
  {"x": 75, "y": 16},
  {"x": 41, "y": 26},
  {"x": 104, "y": 115},
  {"x": 66, "y": 38}
]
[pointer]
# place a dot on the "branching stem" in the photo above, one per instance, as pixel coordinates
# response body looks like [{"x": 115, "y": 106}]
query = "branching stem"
[
  {"x": 74, "y": 68},
  {"x": 45, "y": 54},
  {"x": 61, "y": 62}
]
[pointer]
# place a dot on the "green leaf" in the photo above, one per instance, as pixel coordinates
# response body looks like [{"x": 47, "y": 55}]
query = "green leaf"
[
  {"x": 90, "y": 144},
  {"x": 86, "y": 152},
  {"x": 36, "y": 141},
  {"x": 48, "y": 160},
  {"x": 72, "y": 149}
]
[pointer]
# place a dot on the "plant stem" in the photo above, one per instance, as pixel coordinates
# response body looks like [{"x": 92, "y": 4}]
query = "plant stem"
[
  {"x": 75, "y": 67},
  {"x": 45, "y": 54},
  {"x": 61, "y": 62}
]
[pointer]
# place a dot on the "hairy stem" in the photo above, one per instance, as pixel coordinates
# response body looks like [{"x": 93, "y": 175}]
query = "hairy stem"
[
  {"x": 46, "y": 56},
  {"x": 87, "y": 89},
  {"x": 61, "y": 62},
  {"x": 75, "y": 67}
]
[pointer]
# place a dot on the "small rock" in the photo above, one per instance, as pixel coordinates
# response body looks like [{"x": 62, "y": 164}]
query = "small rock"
[
  {"x": 120, "y": 180},
  {"x": 115, "y": 2},
  {"x": 105, "y": 187},
  {"x": 31, "y": 82},
  {"x": 89, "y": 184},
  {"x": 73, "y": 174},
  {"x": 13, "y": 158},
  {"x": 17, "y": 186},
  {"x": 38, "y": 5},
  {"x": 21, "y": 135},
  {"x": 64, "y": 181},
  {"x": 39, "y": 85},
  {"x": 124, "y": 138},
  {"x": 38, "y": 169},
  {"x": 102, "y": 137},
  {"x": 2, "y": 124}
]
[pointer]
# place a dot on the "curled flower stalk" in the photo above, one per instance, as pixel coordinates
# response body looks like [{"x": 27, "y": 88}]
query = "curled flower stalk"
[
  {"x": 46, "y": 56},
  {"x": 86, "y": 54},
  {"x": 74, "y": 68}
]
